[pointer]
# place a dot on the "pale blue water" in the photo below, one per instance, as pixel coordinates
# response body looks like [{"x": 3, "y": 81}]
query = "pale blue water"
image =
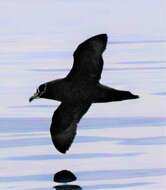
[{"x": 118, "y": 145}]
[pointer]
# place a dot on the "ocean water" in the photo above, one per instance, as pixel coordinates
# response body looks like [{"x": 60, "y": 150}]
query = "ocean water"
[{"x": 119, "y": 145}]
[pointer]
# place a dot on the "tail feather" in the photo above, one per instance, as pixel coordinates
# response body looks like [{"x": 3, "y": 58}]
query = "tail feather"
[{"x": 107, "y": 94}]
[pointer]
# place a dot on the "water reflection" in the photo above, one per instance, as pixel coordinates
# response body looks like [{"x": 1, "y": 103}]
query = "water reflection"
[
  {"x": 92, "y": 175},
  {"x": 67, "y": 187},
  {"x": 65, "y": 176}
]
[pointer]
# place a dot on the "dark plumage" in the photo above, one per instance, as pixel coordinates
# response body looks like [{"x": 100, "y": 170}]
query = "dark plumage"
[{"x": 78, "y": 90}]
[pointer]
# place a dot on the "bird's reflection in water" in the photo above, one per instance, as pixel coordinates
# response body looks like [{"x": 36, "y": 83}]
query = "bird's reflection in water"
[
  {"x": 67, "y": 187},
  {"x": 65, "y": 176}
]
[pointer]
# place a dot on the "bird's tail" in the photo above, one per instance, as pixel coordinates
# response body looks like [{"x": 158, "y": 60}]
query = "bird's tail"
[{"x": 107, "y": 94}]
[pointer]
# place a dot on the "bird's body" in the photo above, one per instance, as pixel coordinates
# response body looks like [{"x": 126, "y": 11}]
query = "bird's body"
[
  {"x": 78, "y": 90},
  {"x": 65, "y": 90}
]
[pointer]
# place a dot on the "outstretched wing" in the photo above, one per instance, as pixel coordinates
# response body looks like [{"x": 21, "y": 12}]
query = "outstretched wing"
[
  {"x": 64, "y": 124},
  {"x": 88, "y": 61}
]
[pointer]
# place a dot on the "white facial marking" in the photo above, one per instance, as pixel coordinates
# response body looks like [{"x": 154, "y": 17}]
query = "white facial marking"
[{"x": 45, "y": 87}]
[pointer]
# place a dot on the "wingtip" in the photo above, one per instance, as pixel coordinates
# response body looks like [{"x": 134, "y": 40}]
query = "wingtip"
[
  {"x": 63, "y": 151},
  {"x": 103, "y": 37},
  {"x": 61, "y": 148},
  {"x": 63, "y": 140}
]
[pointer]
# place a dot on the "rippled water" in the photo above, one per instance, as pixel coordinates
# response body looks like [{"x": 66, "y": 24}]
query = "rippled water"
[{"x": 119, "y": 145}]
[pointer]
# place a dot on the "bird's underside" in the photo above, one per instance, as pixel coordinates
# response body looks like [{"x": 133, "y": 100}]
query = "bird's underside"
[{"x": 79, "y": 90}]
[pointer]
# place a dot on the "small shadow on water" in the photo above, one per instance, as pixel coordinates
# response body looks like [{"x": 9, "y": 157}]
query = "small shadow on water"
[
  {"x": 93, "y": 175},
  {"x": 67, "y": 187},
  {"x": 65, "y": 176}
]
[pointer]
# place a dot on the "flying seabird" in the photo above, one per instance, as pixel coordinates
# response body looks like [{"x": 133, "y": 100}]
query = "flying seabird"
[{"x": 78, "y": 90}]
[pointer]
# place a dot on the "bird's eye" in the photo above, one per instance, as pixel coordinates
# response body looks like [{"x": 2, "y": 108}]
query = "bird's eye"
[{"x": 42, "y": 89}]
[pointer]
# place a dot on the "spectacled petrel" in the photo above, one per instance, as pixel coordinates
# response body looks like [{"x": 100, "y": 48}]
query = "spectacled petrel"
[{"x": 78, "y": 90}]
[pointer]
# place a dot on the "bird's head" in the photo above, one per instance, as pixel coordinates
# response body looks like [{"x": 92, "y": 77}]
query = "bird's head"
[{"x": 40, "y": 92}]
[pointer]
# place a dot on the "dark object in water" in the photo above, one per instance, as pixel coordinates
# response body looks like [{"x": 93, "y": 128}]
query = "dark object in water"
[
  {"x": 67, "y": 187},
  {"x": 78, "y": 90},
  {"x": 64, "y": 176}
]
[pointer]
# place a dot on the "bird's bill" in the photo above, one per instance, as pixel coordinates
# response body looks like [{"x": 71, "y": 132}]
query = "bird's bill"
[{"x": 35, "y": 96}]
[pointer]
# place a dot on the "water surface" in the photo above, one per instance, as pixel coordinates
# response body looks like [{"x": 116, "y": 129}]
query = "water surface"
[{"x": 119, "y": 145}]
